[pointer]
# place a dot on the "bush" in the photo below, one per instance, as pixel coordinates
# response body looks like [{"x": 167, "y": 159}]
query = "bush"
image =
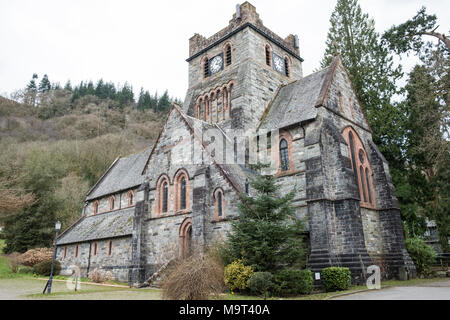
[
  {"x": 194, "y": 278},
  {"x": 34, "y": 256},
  {"x": 25, "y": 269},
  {"x": 336, "y": 278},
  {"x": 421, "y": 254},
  {"x": 43, "y": 268},
  {"x": 237, "y": 275},
  {"x": 99, "y": 276},
  {"x": 293, "y": 282},
  {"x": 260, "y": 282}
]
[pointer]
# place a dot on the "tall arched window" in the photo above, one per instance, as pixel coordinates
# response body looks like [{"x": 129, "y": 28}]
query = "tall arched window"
[
  {"x": 183, "y": 194},
  {"x": 287, "y": 66},
  {"x": 284, "y": 155},
  {"x": 130, "y": 198},
  {"x": 95, "y": 207},
  {"x": 219, "y": 204},
  {"x": 205, "y": 63},
  {"x": 181, "y": 182},
  {"x": 361, "y": 167},
  {"x": 268, "y": 55},
  {"x": 165, "y": 199},
  {"x": 110, "y": 247},
  {"x": 162, "y": 192},
  {"x": 112, "y": 202},
  {"x": 94, "y": 248},
  {"x": 228, "y": 54}
]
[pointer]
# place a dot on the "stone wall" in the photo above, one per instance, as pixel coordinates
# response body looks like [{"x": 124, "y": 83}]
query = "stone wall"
[{"x": 117, "y": 262}]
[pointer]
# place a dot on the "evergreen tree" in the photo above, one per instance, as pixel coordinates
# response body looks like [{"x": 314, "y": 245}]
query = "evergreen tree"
[
  {"x": 428, "y": 150},
  {"x": 267, "y": 236},
  {"x": 68, "y": 86},
  {"x": 31, "y": 91},
  {"x": 164, "y": 102},
  {"x": 370, "y": 66},
  {"x": 44, "y": 85},
  {"x": 409, "y": 35}
]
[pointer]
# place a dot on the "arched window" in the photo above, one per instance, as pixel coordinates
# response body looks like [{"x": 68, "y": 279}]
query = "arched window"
[
  {"x": 112, "y": 202},
  {"x": 183, "y": 193},
  {"x": 287, "y": 66},
  {"x": 75, "y": 253},
  {"x": 162, "y": 192},
  {"x": 95, "y": 207},
  {"x": 268, "y": 55},
  {"x": 228, "y": 54},
  {"x": 130, "y": 198},
  {"x": 205, "y": 62},
  {"x": 284, "y": 155},
  {"x": 361, "y": 167},
  {"x": 219, "y": 204},
  {"x": 181, "y": 182},
  {"x": 65, "y": 252},
  {"x": 165, "y": 190},
  {"x": 110, "y": 247},
  {"x": 94, "y": 248},
  {"x": 185, "y": 233}
]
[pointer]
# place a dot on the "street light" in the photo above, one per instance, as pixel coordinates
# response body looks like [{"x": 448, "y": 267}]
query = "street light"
[{"x": 57, "y": 228}]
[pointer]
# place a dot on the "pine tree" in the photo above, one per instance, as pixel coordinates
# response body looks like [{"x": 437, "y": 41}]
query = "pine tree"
[
  {"x": 68, "y": 86},
  {"x": 267, "y": 236},
  {"x": 31, "y": 91},
  {"x": 44, "y": 85}
]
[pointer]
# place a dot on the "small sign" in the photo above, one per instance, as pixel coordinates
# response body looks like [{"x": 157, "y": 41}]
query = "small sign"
[{"x": 317, "y": 275}]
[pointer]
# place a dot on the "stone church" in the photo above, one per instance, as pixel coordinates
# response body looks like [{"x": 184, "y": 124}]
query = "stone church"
[{"x": 247, "y": 100}]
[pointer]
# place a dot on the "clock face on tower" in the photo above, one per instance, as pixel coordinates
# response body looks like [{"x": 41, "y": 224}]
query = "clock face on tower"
[
  {"x": 216, "y": 64},
  {"x": 279, "y": 64}
]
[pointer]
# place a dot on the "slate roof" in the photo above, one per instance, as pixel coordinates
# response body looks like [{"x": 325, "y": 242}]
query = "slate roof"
[
  {"x": 101, "y": 226},
  {"x": 124, "y": 173},
  {"x": 295, "y": 102}
]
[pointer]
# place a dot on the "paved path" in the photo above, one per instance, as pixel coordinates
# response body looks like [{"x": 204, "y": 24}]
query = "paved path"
[{"x": 427, "y": 291}]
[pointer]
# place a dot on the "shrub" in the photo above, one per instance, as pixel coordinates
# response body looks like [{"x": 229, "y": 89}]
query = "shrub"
[
  {"x": 336, "y": 278},
  {"x": 237, "y": 275},
  {"x": 43, "y": 268},
  {"x": 98, "y": 276},
  {"x": 422, "y": 254},
  {"x": 293, "y": 282},
  {"x": 194, "y": 278},
  {"x": 25, "y": 269},
  {"x": 260, "y": 282},
  {"x": 34, "y": 256}
]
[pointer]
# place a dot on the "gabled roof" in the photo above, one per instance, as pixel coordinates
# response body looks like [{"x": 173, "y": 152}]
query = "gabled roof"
[
  {"x": 100, "y": 226},
  {"x": 124, "y": 173},
  {"x": 298, "y": 101}
]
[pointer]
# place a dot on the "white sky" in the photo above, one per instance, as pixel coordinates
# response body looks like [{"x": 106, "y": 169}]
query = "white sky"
[{"x": 146, "y": 42}]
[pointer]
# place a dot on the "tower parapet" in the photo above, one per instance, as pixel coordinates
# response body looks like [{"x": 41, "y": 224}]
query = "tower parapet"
[{"x": 247, "y": 17}]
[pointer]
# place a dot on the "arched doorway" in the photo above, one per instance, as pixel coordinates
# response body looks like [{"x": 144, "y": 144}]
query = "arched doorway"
[{"x": 186, "y": 238}]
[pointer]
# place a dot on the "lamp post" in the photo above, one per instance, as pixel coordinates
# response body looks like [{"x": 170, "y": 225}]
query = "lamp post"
[{"x": 57, "y": 228}]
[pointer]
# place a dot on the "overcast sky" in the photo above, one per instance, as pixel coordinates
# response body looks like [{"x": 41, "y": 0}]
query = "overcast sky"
[{"x": 146, "y": 42}]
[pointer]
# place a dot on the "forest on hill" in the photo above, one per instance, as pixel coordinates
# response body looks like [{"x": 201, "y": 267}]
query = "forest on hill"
[{"x": 56, "y": 143}]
